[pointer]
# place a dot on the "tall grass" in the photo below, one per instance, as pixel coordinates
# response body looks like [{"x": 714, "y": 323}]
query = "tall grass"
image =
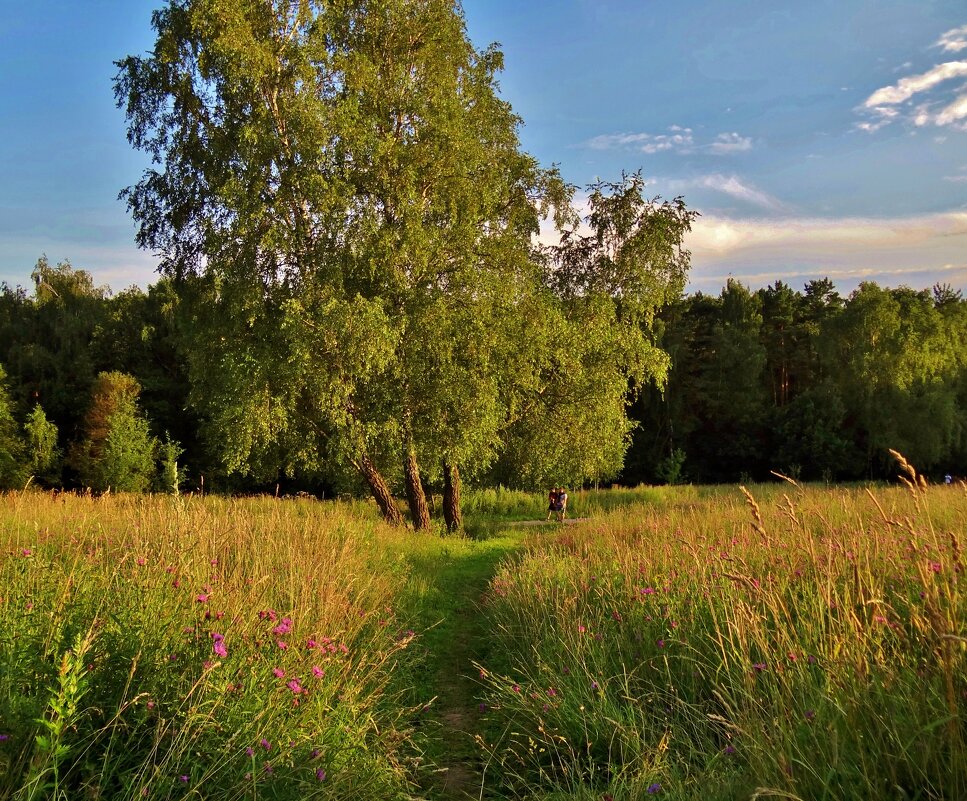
[
  {"x": 808, "y": 646},
  {"x": 170, "y": 648}
]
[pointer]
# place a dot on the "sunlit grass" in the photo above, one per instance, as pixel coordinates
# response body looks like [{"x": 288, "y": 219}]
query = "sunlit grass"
[
  {"x": 812, "y": 645},
  {"x": 226, "y": 649}
]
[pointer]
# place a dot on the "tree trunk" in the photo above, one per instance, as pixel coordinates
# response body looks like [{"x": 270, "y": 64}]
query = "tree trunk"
[
  {"x": 419, "y": 510},
  {"x": 381, "y": 491},
  {"x": 452, "y": 513}
]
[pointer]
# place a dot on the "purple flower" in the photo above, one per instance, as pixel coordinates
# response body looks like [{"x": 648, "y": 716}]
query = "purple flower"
[
  {"x": 4, "y": 737},
  {"x": 483, "y": 707},
  {"x": 266, "y": 744},
  {"x": 294, "y": 685},
  {"x": 201, "y": 598},
  {"x": 250, "y": 752},
  {"x": 318, "y": 672},
  {"x": 729, "y": 750},
  {"x": 516, "y": 688},
  {"x": 284, "y": 627},
  {"x": 183, "y": 779},
  {"x": 320, "y": 775},
  {"x": 594, "y": 685},
  {"x": 810, "y": 714},
  {"x": 654, "y": 788},
  {"x": 661, "y": 643},
  {"x": 278, "y": 672},
  {"x": 282, "y": 645},
  {"x": 759, "y": 666},
  {"x": 268, "y": 768},
  {"x": 220, "y": 649}
]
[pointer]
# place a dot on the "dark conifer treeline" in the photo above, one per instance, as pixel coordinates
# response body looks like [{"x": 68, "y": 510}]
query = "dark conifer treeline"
[{"x": 807, "y": 383}]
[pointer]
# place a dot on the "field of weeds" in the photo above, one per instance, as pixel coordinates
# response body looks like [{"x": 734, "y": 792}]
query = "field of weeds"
[{"x": 681, "y": 642}]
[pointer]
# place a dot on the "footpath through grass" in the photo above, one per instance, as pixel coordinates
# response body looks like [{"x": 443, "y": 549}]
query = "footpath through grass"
[{"x": 448, "y": 581}]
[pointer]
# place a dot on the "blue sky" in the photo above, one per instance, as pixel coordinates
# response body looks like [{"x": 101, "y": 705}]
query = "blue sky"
[{"x": 818, "y": 138}]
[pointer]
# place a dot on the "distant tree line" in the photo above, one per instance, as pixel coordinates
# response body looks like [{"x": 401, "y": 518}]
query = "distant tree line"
[
  {"x": 808, "y": 383},
  {"x": 95, "y": 391}
]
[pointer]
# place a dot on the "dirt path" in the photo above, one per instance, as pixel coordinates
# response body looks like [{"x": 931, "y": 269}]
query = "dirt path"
[{"x": 455, "y": 637}]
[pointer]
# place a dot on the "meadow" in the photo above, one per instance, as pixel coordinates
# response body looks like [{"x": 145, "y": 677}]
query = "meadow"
[{"x": 680, "y": 642}]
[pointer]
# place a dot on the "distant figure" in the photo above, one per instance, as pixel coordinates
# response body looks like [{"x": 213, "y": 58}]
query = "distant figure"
[
  {"x": 551, "y": 502},
  {"x": 948, "y": 479},
  {"x": 561, "y": 504}
]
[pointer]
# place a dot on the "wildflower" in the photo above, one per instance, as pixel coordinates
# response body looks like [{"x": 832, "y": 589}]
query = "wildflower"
[
  {"x": 266, "y": 744},
  {"x": 213, "y": 562},
  {"x": 654, "y": 788},
  {"x": 4, "y": 737},
  {"x": 250, "y": 752},
  {"x": 661, "y": 643},
  {"x": 25, "y": 552},
  {"x": 279, "y": 672},
  {"x": 282, "y": 645},
  {"x": 551, "y": 692},
  {"x": 759, "y": 666},
  {"x": 516, "y": 688},
  {"x": 284, "y": 627},
  {"x": 293, "y": 684},
  {"x": 729, "y": 750},
  {"x": 176, "y": 584},
  {"x": 183, "y": 779},
  {"x": 581, "y": 629},
  {"x": 320, "y": 775},
  {"x": 318, "y": 672},
  {"x": 810, "y": 714},
  {"x": 483, "y": 707},
  {"x": 220, "y": 649},
  {"x": 315, "y": 753},
  {"x": 594, "y": 685},
  {"x": 268, "y": 768},
  {"x": 648, "y": 591},
  {"x": 142, "y": 561},
  {"x": 616, "y": 616},
  {"x": 310, "y": 644},
  {"x": 201, "y": 598}
]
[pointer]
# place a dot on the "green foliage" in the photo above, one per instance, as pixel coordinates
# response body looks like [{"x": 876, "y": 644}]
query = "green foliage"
[
  {"x": 43, "y": 456},
  {"x": 11, "y": 446},
  {"x": 118, "y": 451},
  {"x": 170, "y": 475}
]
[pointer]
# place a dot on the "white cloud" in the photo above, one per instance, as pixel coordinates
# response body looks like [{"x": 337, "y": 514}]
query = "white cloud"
[
  {"x": 678, "y": 139},
  {"x": 733, "y": 186},
  {"x": 892, "y": 102},
  {"x": 953, "y": 113},
  {"x": 907, "y": 87},
  {"x": 917, "y": 250},
  {"x": 954, "y": 40},
  {"x": 730, "y": 143}
]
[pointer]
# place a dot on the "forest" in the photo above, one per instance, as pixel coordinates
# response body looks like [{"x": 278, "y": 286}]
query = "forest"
[{"x": 97, "y": 392}]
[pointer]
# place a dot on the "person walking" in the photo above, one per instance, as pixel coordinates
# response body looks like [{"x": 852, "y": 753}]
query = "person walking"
[
  {"x": 551, "y": 502},
  {"x": 561, "y": 504}
]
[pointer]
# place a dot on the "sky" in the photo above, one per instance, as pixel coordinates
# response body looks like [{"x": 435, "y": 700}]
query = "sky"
[{"x": 819, "y": 138}]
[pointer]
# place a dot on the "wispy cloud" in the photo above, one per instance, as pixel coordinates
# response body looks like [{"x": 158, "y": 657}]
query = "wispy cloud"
[
  {"x": 907, "y": 87},
  {"x": 733, "y": 186},
  {"x": 678, "y": 139},
  {"x": 730, "y": 143},
  {"x": 954, "y": 40},
  {"x": 893, "y": 102}
]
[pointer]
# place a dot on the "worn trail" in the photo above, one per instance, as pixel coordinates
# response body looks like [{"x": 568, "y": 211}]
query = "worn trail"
[{"x": 448, "y": 584}]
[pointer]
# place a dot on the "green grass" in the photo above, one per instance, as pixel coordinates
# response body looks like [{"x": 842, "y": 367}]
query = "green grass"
[{"x": 684, "y": 642}]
